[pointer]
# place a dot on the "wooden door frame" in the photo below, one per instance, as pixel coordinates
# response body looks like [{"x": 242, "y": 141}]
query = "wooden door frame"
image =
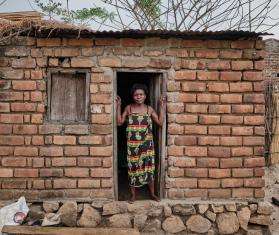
[{"x": 162, "y": 74}]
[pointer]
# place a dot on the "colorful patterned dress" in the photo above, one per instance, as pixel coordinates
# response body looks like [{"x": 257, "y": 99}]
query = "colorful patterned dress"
[{"x": 140, "y": 149}]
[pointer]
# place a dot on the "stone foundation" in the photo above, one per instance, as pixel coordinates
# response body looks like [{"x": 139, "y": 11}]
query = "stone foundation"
[{"x": 150, "y": 217}]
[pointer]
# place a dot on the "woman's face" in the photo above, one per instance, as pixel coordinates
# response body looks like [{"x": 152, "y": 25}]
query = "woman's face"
[{"x": 139, "y": 96}]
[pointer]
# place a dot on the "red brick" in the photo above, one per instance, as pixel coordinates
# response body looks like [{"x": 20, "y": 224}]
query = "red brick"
[
  {"x": 259, "y": 86},
  {"x": 37, "y": 140},
  {"x": 4, "y": 107},
  {"x": 219, "y": 173},
  {"x": 219, "y": 130},
  {"x": 242, "y": 108},
  {"x": 51, "y": 151},
  {"x": 174, "y": 172},
  {"x": 242, "y": 151},
  {"x": 231, "y": 54},
  {"x": 231, "y": 98},
  {"x": 242, "y": 193},
  {"x": 185, "y": 75},
  {"x": 6, "y": 173},
  {"x": 208, "y": 98},
  {"x": 184, "y": 162},
  {"x": 254, "y": 182},
  {"x": 61, "y": 161},
  {"x": 195, "y": 129},
  {"x": 101, "y": 151},
  {"x": 232, "y": 183},
  {"x": 89, "y": 183},
  {"x": 259, "y": 172},
  {"x": 217, "y": 108},
  {"x": 196, "y": 172},
  {"x": 175, "y": 108},
  {"x": 11, "y": 118},
  {"x": 101, "y": 172},
  {"x": 26, "y": 151},
  {"x": 64, "y": 140},
  {"x": 38, "y": 162},
  {"x": 207, "y": 162},
  {"x": 177, "y": 52},
  {"x": 209, "y": 183},
  {"x": 25, "y": 129},
  {"x": 254, "y": 120},
  {"x": 185, "y": 140},
  {"x": 186, "y": 98},
  {"x": 218, "y": 87},
  {"x": 242, "y": 65},
  {"x": 254, "y": 98},
  {"x": 259, "y": 108},
  {"x": 90, "y": 140},
  {"x": 175, "y": 129},
  {"x": 217, "y": 44},
  {"x": 76, "y": 172},
  {"x": 192, "y": 64},
  {"x": 184, "y": 183},
  {"x": 186, "y": 118},
  {"x": 38, "y": 184},
  {"x": 4, "y": 151},
  {"x": 242, "y": 130},
  {"x": 131, "y": 42},
  {"x": 46, "y": 42},
  {"x": 207, "y": 75},
  {"x": 50, "y": 129},
  {"x": 24, "y": 62},
  {"x": 193, "y": 86},
  {"x": 219, "y": 152},
  {"x": 101, "y": 119},
  {"x": 107, "y": 162},
  {"x": 196, "y": 108},
  {"x": 84, "y": 42},
  {"x": 64, "y": 183},
  {"x": 253, "y": 140},
  {"x": 208, "y": 140},
  {"x": 173, "y": 86},
  {"x": 219, "y": 193},
  {"x": 175, "y": 150},
  {"x": 160, "y": 63},
  {"x": 230, "y": 76},
  {"x": 11, "y": 140},
  {"x": 24, "y": 85},
  {"x": 230, "y": 162},
  {"x": 254, "y": 162},
  {"x": 10, "y": 96},
  {"x": 241, "y": 87},
  {"x": 26, "y": 173},
  {"x": 195, "y": 151},
  {"x": 260, "y": 65},
  {"x": 6, "y": 129},
  {"x": 89, "y": 161},
  {"x": 76, "y": 151},
  {"x": 110, "y": 61},
  {"x": 230, "y": 119},
  {"x": 231, "y": 140},
  {"x": 242, "y": 172},
  {"x": 192, "y": 43},
  {"x": 259, "y": 193},
  {"x": 252, "y": 76},
  {"x": 243, "y": 44},
  {"x": 207, "y": 54},
  {"x": 209, "y": 119},
  {"x": 219, "y": 65},
  {"x": 23, "y": 107},
  {"x": 51, "y": 172}
]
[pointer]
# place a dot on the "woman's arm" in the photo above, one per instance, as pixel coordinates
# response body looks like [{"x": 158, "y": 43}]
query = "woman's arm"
[
  {"x": 120, "y": 118},
  {"x": 159, "y": 119}
]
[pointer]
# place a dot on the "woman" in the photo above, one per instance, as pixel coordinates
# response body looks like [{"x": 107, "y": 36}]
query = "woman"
[{"x": 140, "y": 145}]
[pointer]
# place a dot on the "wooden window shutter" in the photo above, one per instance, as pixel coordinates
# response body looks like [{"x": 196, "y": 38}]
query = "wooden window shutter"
[{"x": 68, "y": 97}]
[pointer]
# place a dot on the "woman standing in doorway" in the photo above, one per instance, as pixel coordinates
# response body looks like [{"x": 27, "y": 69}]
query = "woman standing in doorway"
[{"x": 140, "y": 145}]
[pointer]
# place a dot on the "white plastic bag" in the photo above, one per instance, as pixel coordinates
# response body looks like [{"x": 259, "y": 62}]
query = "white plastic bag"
[{"x": 13, "y": 214}]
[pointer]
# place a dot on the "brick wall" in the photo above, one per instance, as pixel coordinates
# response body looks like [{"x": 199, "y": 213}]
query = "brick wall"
[{"x": 215, "y": 117}]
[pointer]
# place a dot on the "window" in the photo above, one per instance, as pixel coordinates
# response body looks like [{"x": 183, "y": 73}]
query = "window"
[{"x": 68, "y": 97}]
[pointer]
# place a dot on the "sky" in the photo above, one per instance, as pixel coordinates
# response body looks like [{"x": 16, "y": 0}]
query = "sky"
[{"x": 26, "y": 5}]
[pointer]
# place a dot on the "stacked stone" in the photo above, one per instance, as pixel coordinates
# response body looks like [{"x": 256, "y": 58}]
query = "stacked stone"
[{"x": 159, "y": 218}]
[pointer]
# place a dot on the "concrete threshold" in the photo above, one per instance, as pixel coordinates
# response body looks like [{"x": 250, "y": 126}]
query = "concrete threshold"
[{"x": 37, "y": 230}]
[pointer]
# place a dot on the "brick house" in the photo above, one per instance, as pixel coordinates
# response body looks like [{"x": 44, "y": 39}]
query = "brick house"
[{"x": 58, "y": 135}]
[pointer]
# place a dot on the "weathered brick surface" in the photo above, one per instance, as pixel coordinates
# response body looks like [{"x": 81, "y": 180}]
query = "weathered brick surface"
[{"x": 215, "y": 107}]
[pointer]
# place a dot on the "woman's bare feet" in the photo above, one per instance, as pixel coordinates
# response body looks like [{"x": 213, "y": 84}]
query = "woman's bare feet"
[{"x": 155, "y": 198}]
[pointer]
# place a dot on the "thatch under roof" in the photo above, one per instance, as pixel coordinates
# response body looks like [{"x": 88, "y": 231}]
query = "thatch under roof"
[{"x": 46, "y": 28}]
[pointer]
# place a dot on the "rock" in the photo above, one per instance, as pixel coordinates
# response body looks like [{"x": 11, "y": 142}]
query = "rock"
[
  {"x": 253, "y": 208},
  {"x": 185, "y": 209},
  {"x": 98, "y": 204},
  {"x": 80, "y": 207},
  {"x": 231, "y": 207},
  {"x": 265, "y": 208},
  {"x": 167, "y": 211},
  {"x": 139, "y": 207},
  {"x": 210, "y": 215},
  {"x": 198, "y": 224},
  {"x": 120, "y": 221},
  {"x": 51, "y": 219},
  {"x": 139, "y": 221},
  {"x": 153, "y": 226},
  {"x": 217, "y": 208},
  {"x": 173, "y": 224},
  {"x": 113, "y": 208},
  {"x": 90, "y": 217},
  {"x": 155, "y": 212},
  {"x": 202, "y": 208},
  {"x": 254, "y": 232},
  {"x": 260, "y": 219},
  {"x": 244, "y": 217},
  {"x": 50, "y": 206},
  {"x": 227, "y": 223},
  {"x": 211, "y": 232},
  {"x": 35, "y": 212},
  {"x": 68, "y": 213}
]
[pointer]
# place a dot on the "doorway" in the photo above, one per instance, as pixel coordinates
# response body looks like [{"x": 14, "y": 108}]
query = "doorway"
[{"x": 156, "y": 87}]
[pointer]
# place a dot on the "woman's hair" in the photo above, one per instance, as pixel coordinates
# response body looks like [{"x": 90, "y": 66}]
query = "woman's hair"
[{"x": 138, "y": 86}]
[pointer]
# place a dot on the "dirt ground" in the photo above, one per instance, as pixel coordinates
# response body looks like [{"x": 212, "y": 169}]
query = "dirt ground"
[{"x": 272, "y": 190}]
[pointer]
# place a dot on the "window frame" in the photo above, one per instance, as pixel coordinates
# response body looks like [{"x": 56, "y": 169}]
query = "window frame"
[{"x": 87, "y": 94}]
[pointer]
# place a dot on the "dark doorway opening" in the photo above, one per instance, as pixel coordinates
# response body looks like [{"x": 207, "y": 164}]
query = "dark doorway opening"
[{"x": 125, "y": 81}]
